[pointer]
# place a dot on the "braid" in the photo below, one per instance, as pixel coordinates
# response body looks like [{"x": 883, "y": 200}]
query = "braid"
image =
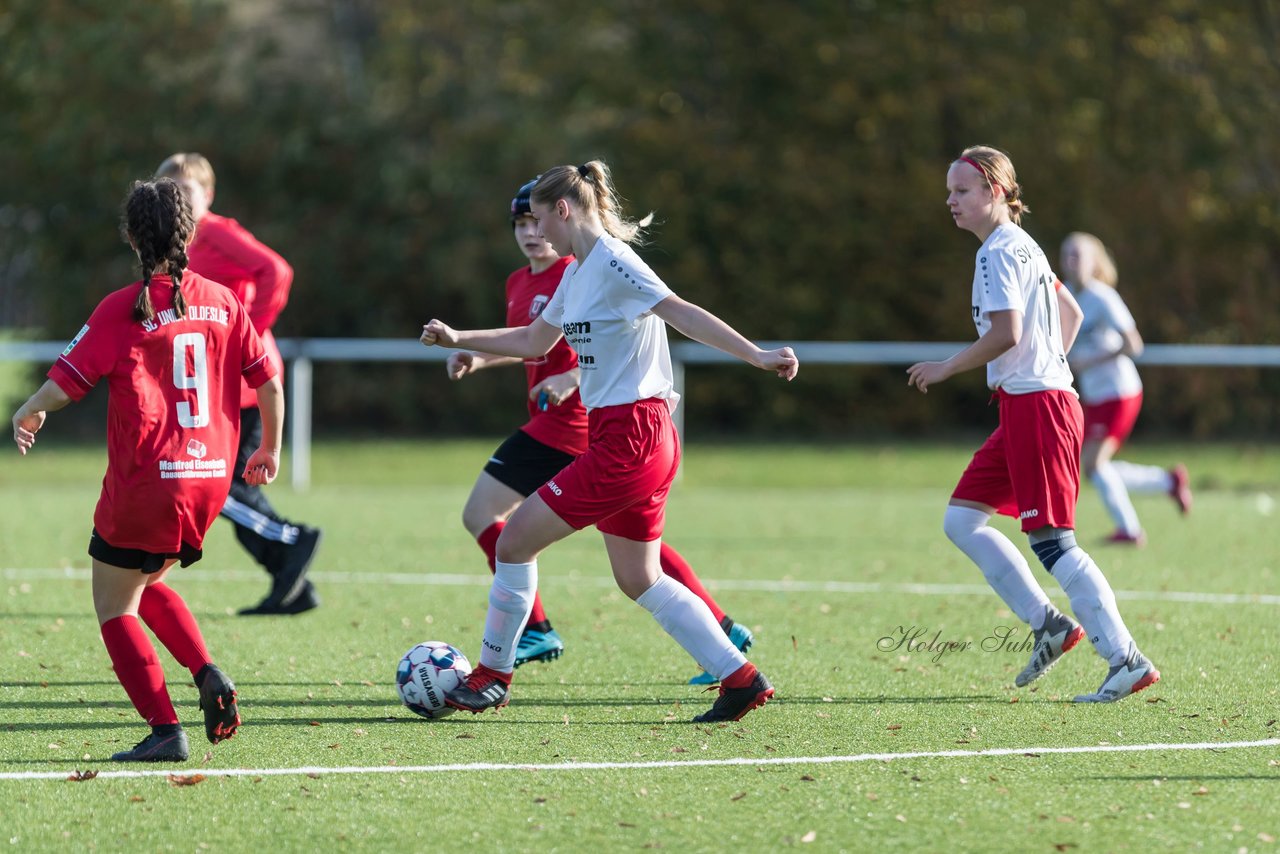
[
  {"x": 158, "y": 221},
  {"x": 176, "y": 252}
]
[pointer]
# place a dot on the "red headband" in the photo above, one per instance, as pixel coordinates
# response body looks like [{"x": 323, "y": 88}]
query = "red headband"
[{"x": 983, "y": 172}]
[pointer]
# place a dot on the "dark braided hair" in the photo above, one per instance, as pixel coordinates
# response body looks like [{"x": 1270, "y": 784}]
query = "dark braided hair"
[{"x": 157, "y": 219}]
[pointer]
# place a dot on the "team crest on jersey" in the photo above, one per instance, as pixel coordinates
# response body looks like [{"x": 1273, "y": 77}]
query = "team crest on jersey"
[
  {"x": 196, "y": 448},
  {"x": 75, "y": 341},
  {"x": 535, "y": 307}
]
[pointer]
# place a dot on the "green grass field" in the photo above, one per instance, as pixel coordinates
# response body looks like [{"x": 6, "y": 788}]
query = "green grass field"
[{"x": 823, "y": 551}]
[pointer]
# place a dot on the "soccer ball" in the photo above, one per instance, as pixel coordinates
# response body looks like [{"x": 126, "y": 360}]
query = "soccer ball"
[{"x": 428, "y": 672}]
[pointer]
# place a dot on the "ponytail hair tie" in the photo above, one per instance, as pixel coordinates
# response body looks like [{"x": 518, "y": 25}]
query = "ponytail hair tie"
[{"x": 584, "y": 172}]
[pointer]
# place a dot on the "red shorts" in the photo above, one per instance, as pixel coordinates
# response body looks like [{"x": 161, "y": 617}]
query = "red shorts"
[
  {"x": 1111, "y": 419},
  {"x": 621, "y": 483},
  {"x": 1029, "y": 468}
]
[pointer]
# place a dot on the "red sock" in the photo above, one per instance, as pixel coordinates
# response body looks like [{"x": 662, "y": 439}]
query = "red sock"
[
  {"x": 678, "y": 568},
  {"x": 138, "y": 669},
  {"x": 168, "y": 616},
  {"x": 481, "y": 670},
  {"x": 488, "y": 542},
  {"x": 740, "y": 678}
]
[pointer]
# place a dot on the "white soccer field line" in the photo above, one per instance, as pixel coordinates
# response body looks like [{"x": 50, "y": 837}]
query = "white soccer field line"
[
  {"x": 632, "y": 766},
  {"x": 783, "y": 585}
]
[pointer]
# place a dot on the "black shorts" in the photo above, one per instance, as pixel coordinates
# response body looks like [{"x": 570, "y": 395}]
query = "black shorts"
[
  {"x": 524, "y": 464},
  {"x": 148, "y": 562}
]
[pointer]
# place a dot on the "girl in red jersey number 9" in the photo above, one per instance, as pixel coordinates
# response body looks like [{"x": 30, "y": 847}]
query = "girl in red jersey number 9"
[
  {"x": 1029, "y": 467},
  {"x": 611, "y": 308},
  {"x": 172, "y": 349}
]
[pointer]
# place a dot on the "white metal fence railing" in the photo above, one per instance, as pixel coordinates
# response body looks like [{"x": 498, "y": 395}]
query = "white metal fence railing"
[{"x": 301, "y": 353}]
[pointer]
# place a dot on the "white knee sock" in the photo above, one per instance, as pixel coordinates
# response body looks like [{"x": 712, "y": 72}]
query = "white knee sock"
[
  {"x": 1094, "y": 604},
  {"x": 510, "y": 601},
  {"x": 1139, "y": 478},
  {"x": 688, "y": 619},
  {"x": 1111, "y": 486},
  {"x": 1000, "y": 561}
]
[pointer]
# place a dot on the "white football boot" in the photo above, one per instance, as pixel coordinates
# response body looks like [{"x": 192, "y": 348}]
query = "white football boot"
[
  {"x": 1136, "y": 673},
  {"x": 1057, "y": 636}
]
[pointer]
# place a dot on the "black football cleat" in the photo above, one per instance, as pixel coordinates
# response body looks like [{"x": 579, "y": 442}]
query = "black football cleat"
[
  {"x": 218, "y": 702},
  {"x": 478, "y": 692},
  {"x": 271, "y": 607},
  {"x": 733, "y": 703},
  {"x": 157, "y": 748}
]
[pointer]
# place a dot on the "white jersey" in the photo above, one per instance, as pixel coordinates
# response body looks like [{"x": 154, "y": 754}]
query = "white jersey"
[
  {"x": 1013, "y": 273},
  {"x": 1106, "y": 320},
  {"x": 603, "y": 307}
]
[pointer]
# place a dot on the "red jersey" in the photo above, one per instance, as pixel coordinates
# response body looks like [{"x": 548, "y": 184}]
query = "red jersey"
[
  {"x": 223, "y": 250},
  {"x": 562, "y": 427},
  {"x": 173, "y": 411}
]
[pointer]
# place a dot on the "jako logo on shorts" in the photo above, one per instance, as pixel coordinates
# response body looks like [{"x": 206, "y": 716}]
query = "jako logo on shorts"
[
  {"x": 551, "y": 485},
  {"x": 1028, "y": 514}
]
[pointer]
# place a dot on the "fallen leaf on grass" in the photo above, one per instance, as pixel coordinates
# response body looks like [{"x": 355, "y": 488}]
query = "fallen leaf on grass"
[
  {"x": 1063, "y": 846},
  {"x": 625, "y": 824},
  {"x": 810, "y": 836},
  {"x": 872, "y": 796},
  {"x": 185, "y": 779},
  {"x": 334, "y": 746},
  {"x": 678, "y": 749},
  {"x": 465, "y": 735},
  {"x": 313, "y": 775},
  {"x": 739, "y": 796},
  {"x": 313, "y": 723},
  {"x": 1201, "y": 791},
  {"x": 78, "y": 776},
  {"x": 136, "y": 799},
  {"x": 1266, "y": 837},
  {"x": 806, "y": 778},
  {"x": 900, "y": 817},
  {"x": 894, "y": 726}
]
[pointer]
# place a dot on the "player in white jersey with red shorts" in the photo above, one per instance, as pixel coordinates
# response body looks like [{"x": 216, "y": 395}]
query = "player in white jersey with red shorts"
[
  {"x": 554, "y": 435},
  {"x": 1110, "y": 389},
  {"x": 611, "y": 308},
  {"x": 1029, "y": 468}
]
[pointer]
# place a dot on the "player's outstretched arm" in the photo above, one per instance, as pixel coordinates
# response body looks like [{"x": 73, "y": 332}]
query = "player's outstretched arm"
[
  {"x": 522, "y": 342},
  {"x": 701, "y": 325},
  {"x": 29, "y": 418},
  {"x": 1004, "y": 334},
  {"x": 264, "y": 464}
]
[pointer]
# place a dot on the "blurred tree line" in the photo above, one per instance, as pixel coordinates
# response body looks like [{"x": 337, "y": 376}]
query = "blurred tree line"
[{"x": 795, "y": 155}]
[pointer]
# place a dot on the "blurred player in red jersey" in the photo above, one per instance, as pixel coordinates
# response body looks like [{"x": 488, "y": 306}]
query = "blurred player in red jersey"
[
  {"x": 554, "y": 436},
  {"x": 1029, "y": 467},
  {"x": 1110, "y": 389},
  {"x": 225, "y": 251},
  {"x": 612, "y": 310},
  {"x": 173, "y": 349}
]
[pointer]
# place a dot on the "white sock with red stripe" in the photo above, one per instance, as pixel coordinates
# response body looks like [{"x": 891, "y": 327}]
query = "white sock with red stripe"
[
  {"x": 1003, "y": 565},
  {"x": 1111, "y": 486},
  {"x": 1140, "y": 478},
  {"x": 510, "y": 601},
  {"x": 689, "y": 621}
]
